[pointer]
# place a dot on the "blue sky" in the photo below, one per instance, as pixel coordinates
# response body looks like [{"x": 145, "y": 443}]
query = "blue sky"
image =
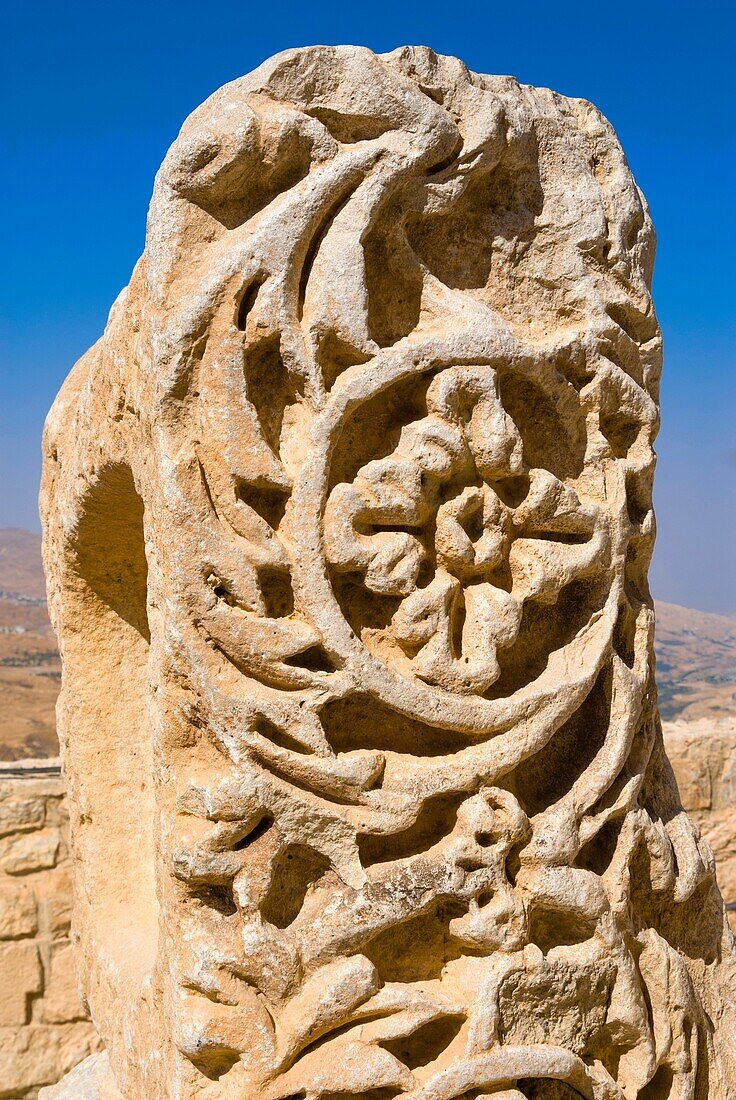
[{"x": 94, "y": 94}]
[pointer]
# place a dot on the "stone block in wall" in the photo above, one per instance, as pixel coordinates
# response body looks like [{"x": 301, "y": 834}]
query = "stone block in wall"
[
  {"x": 39, "y": 1055},
  {"x": 719, "y": 829},
  {"x": 57, "y": 810},
  {"x": 18, "y": 914},
  {"x": 27, "y": 852},
  {"x": 703, "y": 757},
  {"x": 694, "y": 781},
  {"x": 56, "y": 902},
  {"x": 43, "y": 1029},
  {"x": 22, "y": 977},
  {"x": 19, "y": 814},
  {"x": 61, "y": 1002}
]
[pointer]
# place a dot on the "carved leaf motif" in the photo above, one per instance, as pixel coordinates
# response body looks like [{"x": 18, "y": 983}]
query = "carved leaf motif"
[{"x": 362, "y": 549}]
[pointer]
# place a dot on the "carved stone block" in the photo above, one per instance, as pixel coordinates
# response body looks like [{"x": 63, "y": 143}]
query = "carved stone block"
[{"x": 347, "y": 527}]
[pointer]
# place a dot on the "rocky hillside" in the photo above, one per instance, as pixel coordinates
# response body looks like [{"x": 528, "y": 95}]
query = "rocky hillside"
[
  {"x": 696, "y": 663},
  {"x": 29, "y": 661},
  {"x": 696, "y": 656}
]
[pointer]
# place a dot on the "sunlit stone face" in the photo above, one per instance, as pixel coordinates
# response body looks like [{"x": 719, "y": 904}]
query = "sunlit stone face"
[{"x": 380, "y": 403}]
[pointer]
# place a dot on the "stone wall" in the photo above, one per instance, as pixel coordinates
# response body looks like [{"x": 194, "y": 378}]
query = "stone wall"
[
  {"x": 703, "y": 755},
  {"x": 44, "y": 1030}
]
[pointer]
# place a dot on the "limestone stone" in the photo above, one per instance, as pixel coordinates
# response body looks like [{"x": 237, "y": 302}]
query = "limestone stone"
[
  {"x": 703, "y": 755},
  {"x": 42, "y": 1032},
  {"x": 18, "y": 916},
  {"x": 347, "y": 524},
  {"x": 37, "y": 1055},
  {"x": 20, "y": 967},
  {"x": 21, "y": 814},
  {"x": 57, "y": 901},
  {"x": 21, "y": 854},
  {"x": 61, "y": 1002},
  {"x": 90, "y": 1080}
]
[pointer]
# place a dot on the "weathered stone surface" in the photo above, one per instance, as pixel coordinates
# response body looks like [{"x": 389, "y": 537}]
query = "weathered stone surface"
[
  {"x": 42, "y": 1033},
  {"x": 347, "y": 528},
  {"x": 18, "y": 916},
  {"x": 34, "y": 1055},
  {"x": 57, "y": 901},
  {"x": 703, "y": 756},
  {"x": 17, "y": 815},
  {"x": 61, "y": 1002},
  {"x": 24, "y": 853},
  {"x": 91, "y": 1080},
  {"x": 20, "y": 967}
]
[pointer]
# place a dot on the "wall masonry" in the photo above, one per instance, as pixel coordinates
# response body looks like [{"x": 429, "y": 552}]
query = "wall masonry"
[
  {"x": 44, "y": 1030},
  {"x": 703, "y": 755}
]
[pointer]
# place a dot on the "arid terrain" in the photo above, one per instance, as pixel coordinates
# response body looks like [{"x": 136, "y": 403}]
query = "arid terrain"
[
  {"x": 29, "y": 660},
  {"x": 696, "y": 656},
  {"x": 696, "y": 663}
]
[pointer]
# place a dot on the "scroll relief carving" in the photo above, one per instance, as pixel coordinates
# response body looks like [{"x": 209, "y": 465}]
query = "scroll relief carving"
[{"x": 385, "y": 386}]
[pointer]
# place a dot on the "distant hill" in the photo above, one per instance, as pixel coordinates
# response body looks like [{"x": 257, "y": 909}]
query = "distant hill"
[
  {"x": 696, "y": 663},
  {"x": 20, "y": 562},
  {"x": 696, "y": 656},
  {"x": 30, "y": 672}
]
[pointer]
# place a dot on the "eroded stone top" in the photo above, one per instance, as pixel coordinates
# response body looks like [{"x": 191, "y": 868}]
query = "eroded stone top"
[{"x": 352, "y": 503}]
